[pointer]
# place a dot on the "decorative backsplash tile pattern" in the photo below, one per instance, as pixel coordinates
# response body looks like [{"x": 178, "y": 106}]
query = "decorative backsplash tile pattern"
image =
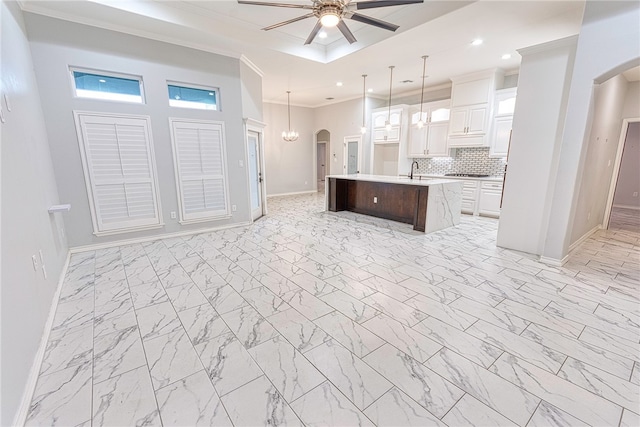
[{"x": 466, "y": 160}]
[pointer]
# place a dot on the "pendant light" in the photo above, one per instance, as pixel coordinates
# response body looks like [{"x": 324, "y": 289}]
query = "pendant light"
[
  {"x": 388, "y": 123},
  {"x": 363, "y": 129},
  {"x": 424, "y": 70},
  {"x": 290, "y": 135}
]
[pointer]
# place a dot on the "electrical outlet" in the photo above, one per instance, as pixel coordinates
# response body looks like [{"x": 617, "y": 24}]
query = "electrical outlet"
[
  {"x": 234, "y": 208},
  {"x": 241, "y": 163},
  {"x": 635, "y": 194},
  {"x": 173, "y": 215},
  {"x": 375, "y": 200}
]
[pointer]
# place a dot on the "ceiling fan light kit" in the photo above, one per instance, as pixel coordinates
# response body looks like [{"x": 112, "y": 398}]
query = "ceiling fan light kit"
[{"x": 331, "y": 13}]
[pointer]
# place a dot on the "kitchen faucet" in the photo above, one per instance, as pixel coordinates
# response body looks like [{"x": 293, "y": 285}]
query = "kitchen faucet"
[{"x": 417, "y": 167}]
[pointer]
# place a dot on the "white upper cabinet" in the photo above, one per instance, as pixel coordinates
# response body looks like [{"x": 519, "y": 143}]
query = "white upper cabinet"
[
  {"x": 471, "y": 108},
  {"x": 379, "y": 120},
  {"x": 431, "y": 139},
  {"x": 505, "y": 101}
]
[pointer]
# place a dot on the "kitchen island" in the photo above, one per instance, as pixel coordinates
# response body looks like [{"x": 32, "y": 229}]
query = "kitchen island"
[{"x": 428, "y": 204}]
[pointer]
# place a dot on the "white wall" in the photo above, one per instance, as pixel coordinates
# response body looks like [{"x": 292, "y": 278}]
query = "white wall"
[
  {"x": 28, "y": 189},
  {"x": 58, "y": 44},
  {"x": 609, "y": 43},
  {"x": 251, "y": 86},
  {"x": 289, "y": 165},
  {"x": 628, "y": 177},
  {"x": 601, "y": 148},
  {"x": 631, "y": 107},
  {"x": 538, "y": 121}
]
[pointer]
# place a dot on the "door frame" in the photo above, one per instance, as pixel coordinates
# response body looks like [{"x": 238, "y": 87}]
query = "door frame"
[
  {"x": 252, "y": 125},
  {"x": 326, "y": 166},
  {"x": 347, "y": 139},
  {"x": 327, "y": 154},
  {"x": 616, "y": 169}
]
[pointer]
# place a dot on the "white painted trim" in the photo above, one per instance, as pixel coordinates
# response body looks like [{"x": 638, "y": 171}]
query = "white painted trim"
[
  {"x": 627, "y": 207},
  {"x": 292, "y": 194},
  {"x": 616, "y": 169},
  {"x": 252, "y": 125},
  {"x": 94, "y": 247},
  {"x": 554, "y": 261},
  {"x": 207, "y": 219},
  {"x": 251, "y": 65},
  {"x": 586, "y": 235},
  {"x": 23, "y": 410},
  {"x": 543, "y": 47},
  {"x": 128, "y": 230},
  {"x": 328, "y": 158}
]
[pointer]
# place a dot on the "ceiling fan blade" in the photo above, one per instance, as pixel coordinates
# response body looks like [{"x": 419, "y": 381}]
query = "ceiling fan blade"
[
  {"x": 314, "y": 32},
  {"x": 372, "y": 21},
  {"x": 290, "y": 21},
  {"x": 371, "y": 4},
  {"x": 262, "y": 3},
  {"x": 346, "y": 32}
]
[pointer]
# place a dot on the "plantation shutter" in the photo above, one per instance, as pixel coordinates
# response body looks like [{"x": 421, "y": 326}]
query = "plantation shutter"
[
  {"x": 119, "y": 168},
  {"x": 199, "y": 155}
]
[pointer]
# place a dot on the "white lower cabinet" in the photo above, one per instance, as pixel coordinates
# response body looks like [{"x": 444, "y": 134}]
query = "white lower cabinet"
[
  {"x": 490, "y": 196},
  {"x": 481, "y": 197}
]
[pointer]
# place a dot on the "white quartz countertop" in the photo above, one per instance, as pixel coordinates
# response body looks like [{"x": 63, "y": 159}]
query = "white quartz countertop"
[
  {"x": 466, "y": 178},
  {"x": 417, "y": 180}
]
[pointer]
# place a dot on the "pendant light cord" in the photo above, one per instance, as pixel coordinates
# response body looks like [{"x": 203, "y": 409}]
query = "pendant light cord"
[
  {"x": 391, "y": 67},
  {"x": 364, "y": 95},
  {"x": 289, "y": 109},
  {"x": 424, "y": 70}
]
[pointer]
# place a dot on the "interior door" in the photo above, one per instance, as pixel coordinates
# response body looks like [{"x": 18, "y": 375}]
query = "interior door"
[
  {"x": 321, "y": 159},
  {"x": 255, "y": 174}
]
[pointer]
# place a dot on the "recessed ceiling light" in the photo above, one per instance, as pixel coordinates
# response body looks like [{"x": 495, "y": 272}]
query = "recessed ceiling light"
[
  {"x": 322, "y": 34},
  {"x": 338, "y": 84},
  {"x": 476, "y": 42},
  {"x": 406, "y": 81},
  {"x": 102, "y": 81},
  {"x": 329, "y": 98},
  {"x": 506, "y": 56},
  {"x": 370, "y": 90}
]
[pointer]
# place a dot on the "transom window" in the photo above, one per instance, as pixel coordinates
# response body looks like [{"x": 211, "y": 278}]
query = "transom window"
[
  {"x": 106, "y": 85},
  {"x": 191, "y": 96}
]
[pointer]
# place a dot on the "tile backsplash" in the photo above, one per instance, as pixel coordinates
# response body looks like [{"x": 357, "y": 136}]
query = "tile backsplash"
[{"x": 466, "y": 160}]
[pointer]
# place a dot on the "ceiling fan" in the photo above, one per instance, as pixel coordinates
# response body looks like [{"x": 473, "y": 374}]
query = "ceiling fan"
[{"x": 331, "y": 13}]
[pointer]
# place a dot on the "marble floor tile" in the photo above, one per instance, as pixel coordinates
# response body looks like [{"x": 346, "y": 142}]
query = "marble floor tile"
[
  {"x": 146, "y": 294},
  {"x": 548, "y": 415},
  {"x": 224, "y": 299},
  {"x": 191, "y": 401},
  {"x": 249, "y": 326},
  {"x": 420, "y": 383},
  {"x": 617, "y": 345},
  {"x": 358, "y": 340},
  {"x": 173, "y": 276},
  {"x": 470, "y": 292},
  {"x": 355, "y": 379},
  {"x": 531, "y": 351},
  {"x": 126, "y": 400},
  {"x": 629, "y": 419},
  {"x": 117, "y": 353},
  {"x": 403, "y": 337},
  {"x": 227, "y": 363},
  {"x": 185, "y": 296},
  {"x": 354, "y": 309},
  {"x": 66, "y": 348},
  {"x": 315, "y": 286},
  {"x": 350, "y": 286},
  {"x": 494, "y": 391},
  {"x": 428, "y": 290},
  {"x": 156, "y": 320},
  {"x": 171, "y": 357},
  {"x": 495, "y": 316},
  {"x": 62, "y": 398},
  {"x": 287, "y": 369},
  {"x": 326, "y": 406},
  {"x": 446, "y": 313},
  {"x": 102, "y": 326},
  {"x": 265, "y": 301},
  {"x": 277, "y": 283},
  {"x": 308, "y": 305},
  {"x": 602, "y": 383},
  {"x": 73, "y": 314},
  {"x": 389, "y": 288},
  {"x": 395, "y": 408},
  {"x": 259, "y": 403},
  {"x": 590, "y": 354},
  {"x": 202, "y": 323},
  {"x": 469, "y": 411},
  {"x": 463, "y": 343},
  {"x": 635, "y": 375},
  {"x": 302, "y": 333},
  {"x": 575, "y": 400},
  {"x": 401, "y": 312}
]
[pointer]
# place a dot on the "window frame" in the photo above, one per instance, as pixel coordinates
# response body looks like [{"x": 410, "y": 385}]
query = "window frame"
[
  {"x": 105, "y": 73},
  {"x": 97, "y": 229},
  {"x": 201, "y": 217},
  {"x": 213, "y": 89}
]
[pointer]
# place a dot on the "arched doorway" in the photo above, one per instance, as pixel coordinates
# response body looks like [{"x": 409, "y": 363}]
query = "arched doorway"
[{"x": 322, "y": 158}]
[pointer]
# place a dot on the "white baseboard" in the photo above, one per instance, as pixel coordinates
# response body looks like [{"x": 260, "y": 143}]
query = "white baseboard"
[
  {"x": 30, "y": 388},
  {"x": 586, "y": 235},
  {"x": 554, "y": 261},
  {"x": 637, "y": 208},
  {"x": 292, "y": 194},
  {"x": 96, "y": 246}
]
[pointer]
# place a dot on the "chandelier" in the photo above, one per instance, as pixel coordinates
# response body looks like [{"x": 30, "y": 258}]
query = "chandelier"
[{"x": 289, "y": 135}]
